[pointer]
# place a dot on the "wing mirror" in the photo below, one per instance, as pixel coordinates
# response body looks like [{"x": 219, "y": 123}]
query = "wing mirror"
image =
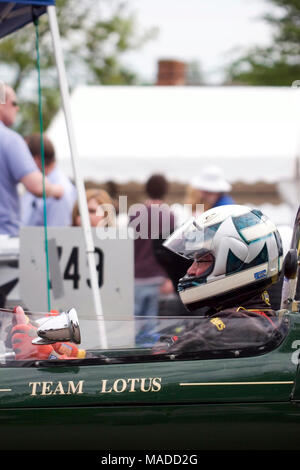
[
  {"x": 63, "y": 327},
  {"x": 290, "y": 265}
]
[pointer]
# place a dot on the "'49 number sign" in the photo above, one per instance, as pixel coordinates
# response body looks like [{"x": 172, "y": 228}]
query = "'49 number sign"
[
  {"x": 72, "y": 269},
  {"x": 70, "y": 284}
]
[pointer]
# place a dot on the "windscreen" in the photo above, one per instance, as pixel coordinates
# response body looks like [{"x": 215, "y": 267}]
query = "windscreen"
[{"x": 139, "y": 338}]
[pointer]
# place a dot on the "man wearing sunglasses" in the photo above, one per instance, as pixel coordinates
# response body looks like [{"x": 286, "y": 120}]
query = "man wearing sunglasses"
[{"x": 16, "y": 166}]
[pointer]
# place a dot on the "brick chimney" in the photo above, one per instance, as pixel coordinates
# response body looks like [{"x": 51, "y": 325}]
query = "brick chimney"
[{"x": 171, "y": 72}]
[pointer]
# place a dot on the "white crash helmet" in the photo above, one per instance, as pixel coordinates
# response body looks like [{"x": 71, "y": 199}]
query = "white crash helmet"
[{"x": 247, "y": 255}]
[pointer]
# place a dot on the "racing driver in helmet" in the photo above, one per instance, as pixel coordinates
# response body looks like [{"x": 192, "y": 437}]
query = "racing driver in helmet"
[{"x": 235, "y": 253}]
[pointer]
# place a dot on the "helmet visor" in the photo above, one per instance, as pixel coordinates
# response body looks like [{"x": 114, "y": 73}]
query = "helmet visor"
[{"x": 191, "y": 239}]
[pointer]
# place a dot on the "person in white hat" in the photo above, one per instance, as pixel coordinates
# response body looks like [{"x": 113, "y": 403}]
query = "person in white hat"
[{"x": 210, "y": 188}]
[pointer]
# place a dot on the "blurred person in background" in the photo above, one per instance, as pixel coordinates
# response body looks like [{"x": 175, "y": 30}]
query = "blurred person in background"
[
  {"x": 17, "y": 166},
  {"x": 100, "y": 207},
  {"x": 151, "y": 280},
  {"x": 209, "y": 188},
  {"x": 59, "y": 211}
]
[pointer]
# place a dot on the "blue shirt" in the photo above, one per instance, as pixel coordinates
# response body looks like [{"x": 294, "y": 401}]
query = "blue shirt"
[
  {"x": 224, "y": 200},
  {"x": 59, "y": 211},
  {"x": 15, "y": 162}
]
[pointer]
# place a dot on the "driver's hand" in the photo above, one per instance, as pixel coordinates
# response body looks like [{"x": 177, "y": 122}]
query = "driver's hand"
[
  {"x": 22, "y": 335},
  {"x": 69, "y": 350},
  {"x": 24, "y": 332}
]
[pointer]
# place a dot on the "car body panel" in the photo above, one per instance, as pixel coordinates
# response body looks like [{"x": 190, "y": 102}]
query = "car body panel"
[
  {"x": 163, "y": 427},
  {"x": 237, "y": 402}
]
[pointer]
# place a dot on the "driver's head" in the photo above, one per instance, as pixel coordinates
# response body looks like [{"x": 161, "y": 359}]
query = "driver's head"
[{"x": 236, "y": 252}]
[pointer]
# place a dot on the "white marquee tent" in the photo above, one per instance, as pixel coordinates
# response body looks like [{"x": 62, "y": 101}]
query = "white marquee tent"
[{"x": 127, "y": 133}]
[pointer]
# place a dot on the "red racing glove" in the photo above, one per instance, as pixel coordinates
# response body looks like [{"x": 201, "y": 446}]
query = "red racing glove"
[
  {"x": 23, "y": 334},
  {"x": 69, "y": 350}
]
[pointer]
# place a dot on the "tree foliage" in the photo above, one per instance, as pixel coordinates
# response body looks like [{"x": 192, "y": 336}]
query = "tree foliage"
[
  {"x": 94, "y": 35},
  {"x": 278, "y": 64}
]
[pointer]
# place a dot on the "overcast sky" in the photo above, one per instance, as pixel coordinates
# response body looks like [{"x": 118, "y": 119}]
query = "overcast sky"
[{"x": 206, "y": 31}]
